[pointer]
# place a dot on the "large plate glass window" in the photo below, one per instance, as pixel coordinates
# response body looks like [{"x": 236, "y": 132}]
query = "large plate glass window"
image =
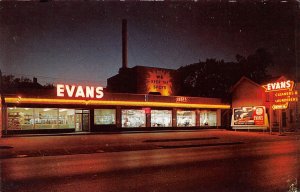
[
  {"x": 104, "y": 116},
  {"x": 20, "y": 118},
  {"x": 46, "y": 118},
  {"x": 161, "y": 118},
  {"x": 40, "y": 118},
  {"x": 186, "y": 118},
  {"x": 66, "y": 118},
  {"x": 133, "y": 118},
  {"x": 208, "y": 118}
]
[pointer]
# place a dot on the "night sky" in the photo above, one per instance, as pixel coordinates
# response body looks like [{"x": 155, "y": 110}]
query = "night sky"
[{"x": 80, "y": 42}]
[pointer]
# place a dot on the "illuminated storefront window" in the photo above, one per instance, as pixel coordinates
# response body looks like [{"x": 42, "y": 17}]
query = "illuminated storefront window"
[
  {"x": 104, "y": 116},
  {"x": 186, "y": 118},
  {"x": 208, "y": 118},
  {"x": 45, "y": 118},
  {"x": 133, "y": 118},
  {"x": 20, "y": 118},
  {"x": 66, "y": 118},
  {"x": 161, "y": 118},
  {"x": 40, "y": 118}
]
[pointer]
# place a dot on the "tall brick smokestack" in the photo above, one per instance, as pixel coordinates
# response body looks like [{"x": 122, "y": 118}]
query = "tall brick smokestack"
[{"x": 124, "y": 43}]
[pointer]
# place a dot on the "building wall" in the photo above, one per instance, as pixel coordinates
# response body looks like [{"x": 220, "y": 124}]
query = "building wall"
[
  {"x": 143, "y": 80},
  {"x": 53, "y": 114},
  {"x": 124, "y": 82},
  {"x": 247, "y": 94}
]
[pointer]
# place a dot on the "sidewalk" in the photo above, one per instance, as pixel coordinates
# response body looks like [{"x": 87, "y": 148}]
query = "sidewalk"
[{"x": 36, "y": 146}]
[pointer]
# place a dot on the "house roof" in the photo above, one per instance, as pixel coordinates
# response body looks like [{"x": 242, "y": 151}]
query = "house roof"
[
  {"x": 241, "y": 80},
  {"x": 266, "y": 81}
]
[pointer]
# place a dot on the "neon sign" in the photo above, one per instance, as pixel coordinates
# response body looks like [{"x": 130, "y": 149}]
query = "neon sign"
[
  {"x": 79, "y": 91},
  {"x": 283, "y": 93},
  {"x": 282, "y": 106},
  {"x": 279, "y": 86}
]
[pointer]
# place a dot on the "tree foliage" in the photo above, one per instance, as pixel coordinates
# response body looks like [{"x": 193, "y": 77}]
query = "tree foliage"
[
  {"x": 11, "y": 83},
  {"x": 214, "y": 78}
]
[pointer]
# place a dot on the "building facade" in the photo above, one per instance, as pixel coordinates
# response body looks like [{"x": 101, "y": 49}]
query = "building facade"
[{"x": 69, "y": 108}]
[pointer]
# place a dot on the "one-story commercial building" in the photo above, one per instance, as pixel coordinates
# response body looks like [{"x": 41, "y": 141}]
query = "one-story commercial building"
[{"x": 75, "y": 108}]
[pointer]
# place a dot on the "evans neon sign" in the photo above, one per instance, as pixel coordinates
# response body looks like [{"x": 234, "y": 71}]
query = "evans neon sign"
[
  {"x": 79, "y": 91},
  {"x": 278, "y": 86}
]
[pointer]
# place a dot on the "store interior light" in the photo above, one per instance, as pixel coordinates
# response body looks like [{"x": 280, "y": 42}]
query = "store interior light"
[
  {"x": 62, "y": 110},
  {"x": 47, "y": 109}
]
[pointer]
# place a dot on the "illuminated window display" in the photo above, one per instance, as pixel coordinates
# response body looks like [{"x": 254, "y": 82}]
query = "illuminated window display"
[
  {"x": 46, "y": 118},
  {"x": 104, "y": 116},
  {"x": 186, "y": 118},
  {"x": 40, "y": 118},
  {"x": 208, "y": 118},
  {"x": 66, "y": 118},
  {"x": 161, "y": 118},
  {"x": 133, "y": 118},
  {"x": 20, "y": 118}
]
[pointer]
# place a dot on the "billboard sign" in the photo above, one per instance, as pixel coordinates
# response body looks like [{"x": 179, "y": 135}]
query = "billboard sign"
[{"x": 245, "y": 116}]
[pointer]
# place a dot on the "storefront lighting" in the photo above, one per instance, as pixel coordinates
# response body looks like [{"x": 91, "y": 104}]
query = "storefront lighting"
[
  {"x": 62, "y": 110},
  {"x": 113, "y": 103},
  {"x": 19, "y": 99},
  {"x": 47, "y": 109}
]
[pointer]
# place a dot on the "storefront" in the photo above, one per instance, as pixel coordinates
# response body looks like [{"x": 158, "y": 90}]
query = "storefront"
[{"x": 89, "y": 111}]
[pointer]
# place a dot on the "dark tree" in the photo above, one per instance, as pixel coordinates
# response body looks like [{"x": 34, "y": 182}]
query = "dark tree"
[
  {"x": 12, "y": 84},
  {"x": 213, "y": 78}
]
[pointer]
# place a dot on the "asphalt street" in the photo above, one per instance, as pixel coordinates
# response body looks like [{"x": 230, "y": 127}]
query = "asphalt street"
[{"x": 168, "y": 161}]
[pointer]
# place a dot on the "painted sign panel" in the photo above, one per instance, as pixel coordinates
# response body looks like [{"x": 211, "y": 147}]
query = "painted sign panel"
[
  {"x": 249, "y": 116},
  {"x": 159, "y": 80}
]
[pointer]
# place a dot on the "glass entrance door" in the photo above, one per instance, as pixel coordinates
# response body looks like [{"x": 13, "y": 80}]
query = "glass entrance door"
[
  {"x": 85, "y": 122},
  {"x": 82, "y": 120}
]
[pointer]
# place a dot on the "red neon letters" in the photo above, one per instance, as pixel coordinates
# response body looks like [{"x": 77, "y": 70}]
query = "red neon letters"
[{"x": 79, "y": 91}]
